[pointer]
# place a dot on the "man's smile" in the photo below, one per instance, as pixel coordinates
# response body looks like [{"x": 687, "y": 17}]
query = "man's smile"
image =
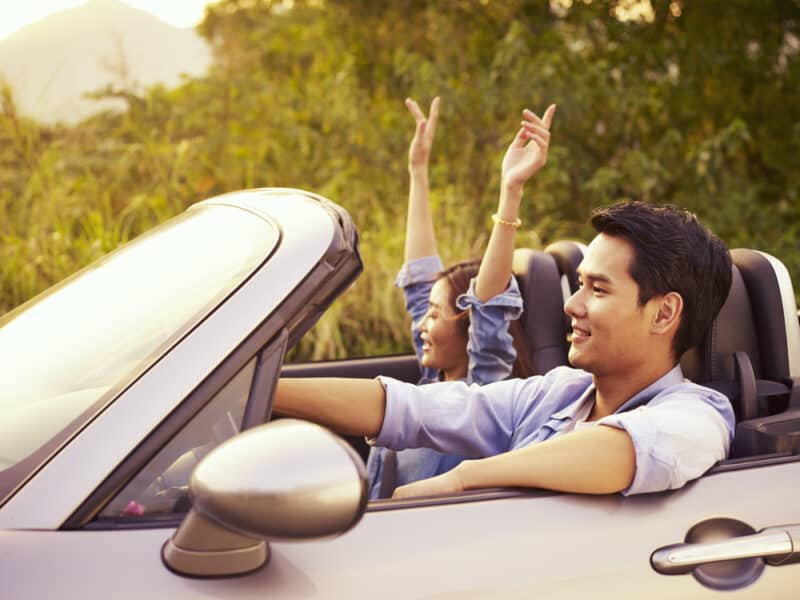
[{"x": 579, "y": 334}]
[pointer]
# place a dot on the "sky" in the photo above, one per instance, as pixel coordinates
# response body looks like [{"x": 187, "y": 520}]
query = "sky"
[{"x": 15, "y": 14}]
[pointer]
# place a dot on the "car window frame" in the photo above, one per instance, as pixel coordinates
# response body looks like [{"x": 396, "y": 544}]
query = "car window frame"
[
  {"x": 501, "y": 493},
  {"x": 290, "y": 320}
]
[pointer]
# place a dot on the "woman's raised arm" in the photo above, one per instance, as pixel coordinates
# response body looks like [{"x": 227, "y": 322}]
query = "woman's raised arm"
[
  {"x": 420, "y": 235},
  {"x": 524, "y": 157}
]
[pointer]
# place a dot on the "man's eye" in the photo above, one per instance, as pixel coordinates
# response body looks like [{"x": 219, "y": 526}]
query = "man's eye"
[{"x": 598, "y": 290}]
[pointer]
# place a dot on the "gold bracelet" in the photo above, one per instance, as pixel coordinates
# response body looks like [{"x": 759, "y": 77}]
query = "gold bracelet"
[{"x": 496, "y": 219}]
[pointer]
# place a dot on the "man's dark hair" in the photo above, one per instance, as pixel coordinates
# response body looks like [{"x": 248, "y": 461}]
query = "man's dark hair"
[{"x": 673, "y": 252}]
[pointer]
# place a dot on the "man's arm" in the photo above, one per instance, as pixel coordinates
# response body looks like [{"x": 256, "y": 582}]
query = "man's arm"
[
  {"x": 597, "y": 460},
  {"x": 349, "y": 406}
]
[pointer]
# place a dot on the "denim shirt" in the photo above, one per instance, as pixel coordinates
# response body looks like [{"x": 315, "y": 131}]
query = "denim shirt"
[
  {"x": 679, "y": 429},
  {"x": 490, "y": 353}
]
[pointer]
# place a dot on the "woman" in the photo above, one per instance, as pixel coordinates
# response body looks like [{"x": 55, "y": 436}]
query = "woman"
[{"x": 464, "y": 318}]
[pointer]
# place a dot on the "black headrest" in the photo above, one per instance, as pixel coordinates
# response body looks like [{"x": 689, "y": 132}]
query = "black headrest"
[
  {"x": 733, "y": 330},
  {"x": 568, "y": 255},
  {"x": 543, "y": 315}
]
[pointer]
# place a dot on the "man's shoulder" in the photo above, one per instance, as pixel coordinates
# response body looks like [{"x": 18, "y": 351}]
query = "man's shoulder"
[
  {"x": 561, "y": 384},
  {"x": 689, "y": 392},
  {"x": 688, "y": 388}
]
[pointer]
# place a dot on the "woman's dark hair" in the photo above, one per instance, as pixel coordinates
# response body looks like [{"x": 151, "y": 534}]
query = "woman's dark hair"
[
  {"x": 458, "y": 277},
  {"x": 673, "y": 252}
]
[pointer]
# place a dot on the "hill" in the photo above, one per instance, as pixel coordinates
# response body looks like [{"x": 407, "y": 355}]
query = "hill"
[{"x": 52, "y": 63}]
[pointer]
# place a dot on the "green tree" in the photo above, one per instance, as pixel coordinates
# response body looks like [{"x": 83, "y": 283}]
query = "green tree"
[{"x": 694, "y": 103}]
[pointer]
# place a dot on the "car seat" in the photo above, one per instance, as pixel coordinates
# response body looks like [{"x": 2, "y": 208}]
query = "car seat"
[
  {"x": 547, "y": 279},
  {"x": 568, "y": 254},
  {"x": 542, "y": 316},
  {"x": 776, "y": 427},
  {"x": 752, "y": 354}
]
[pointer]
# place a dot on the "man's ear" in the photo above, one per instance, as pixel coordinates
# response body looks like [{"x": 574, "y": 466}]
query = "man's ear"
[{"x": 668, "y": 315}]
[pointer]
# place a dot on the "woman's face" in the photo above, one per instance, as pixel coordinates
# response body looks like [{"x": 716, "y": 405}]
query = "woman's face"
[{"x": 444, "y": 343}]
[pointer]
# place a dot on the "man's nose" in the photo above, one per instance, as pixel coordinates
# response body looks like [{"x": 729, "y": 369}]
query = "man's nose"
[{"x": 574, "y": 306}]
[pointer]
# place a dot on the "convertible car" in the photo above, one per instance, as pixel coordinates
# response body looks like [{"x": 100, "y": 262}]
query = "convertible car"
[{"x": 139, "y": 459}]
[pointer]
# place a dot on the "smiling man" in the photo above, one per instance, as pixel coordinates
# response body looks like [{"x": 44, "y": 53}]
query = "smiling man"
[{"x": 622, "y": 420}]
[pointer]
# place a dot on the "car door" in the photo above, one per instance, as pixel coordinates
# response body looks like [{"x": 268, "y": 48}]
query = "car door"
[
  {"x": 496, "y": 543},
  {"x": 493, "y": 543}
]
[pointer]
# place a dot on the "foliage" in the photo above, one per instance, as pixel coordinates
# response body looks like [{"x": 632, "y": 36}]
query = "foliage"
[{"x": 694, "y": 103}]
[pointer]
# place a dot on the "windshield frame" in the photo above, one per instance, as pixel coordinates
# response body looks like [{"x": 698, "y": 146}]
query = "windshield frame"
[{"x": 15, "y": 476}]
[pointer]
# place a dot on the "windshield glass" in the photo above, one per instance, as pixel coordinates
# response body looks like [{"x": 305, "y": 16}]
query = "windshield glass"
[{"x": 68, "y": 351}]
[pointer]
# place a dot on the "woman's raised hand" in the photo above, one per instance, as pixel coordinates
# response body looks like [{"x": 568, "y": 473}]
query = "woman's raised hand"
[
  {"x": 528, "y": 152},
  {"x": 419, "y": 152}
]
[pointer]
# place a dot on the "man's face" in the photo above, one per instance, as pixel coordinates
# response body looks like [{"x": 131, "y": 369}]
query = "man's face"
[{"x": 611, "y": 331}]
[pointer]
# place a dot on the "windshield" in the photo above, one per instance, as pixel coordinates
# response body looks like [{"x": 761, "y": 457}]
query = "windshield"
[{"x": 68, "y": 351}]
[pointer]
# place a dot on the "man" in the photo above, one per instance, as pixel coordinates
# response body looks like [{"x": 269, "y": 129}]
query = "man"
[{"x": 622, "y": 420}]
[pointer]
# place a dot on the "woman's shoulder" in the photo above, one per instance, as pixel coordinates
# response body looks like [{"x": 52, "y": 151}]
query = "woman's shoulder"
[{"x": 419, "y": 270}]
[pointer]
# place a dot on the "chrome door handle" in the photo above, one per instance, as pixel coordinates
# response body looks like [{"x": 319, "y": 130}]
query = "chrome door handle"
[{"x": 777, "y": 545}]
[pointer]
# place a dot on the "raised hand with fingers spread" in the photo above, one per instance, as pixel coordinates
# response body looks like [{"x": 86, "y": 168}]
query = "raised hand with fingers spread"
[
  {"x": 528, "y": 152},
  {"x": 524, "y": 157}
]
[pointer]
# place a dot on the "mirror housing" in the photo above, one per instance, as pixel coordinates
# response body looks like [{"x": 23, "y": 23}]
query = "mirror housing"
[{"x": 286, "y": 480}]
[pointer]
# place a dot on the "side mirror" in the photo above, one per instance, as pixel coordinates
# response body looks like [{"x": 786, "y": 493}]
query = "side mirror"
[{"x": 286, "y": 480}]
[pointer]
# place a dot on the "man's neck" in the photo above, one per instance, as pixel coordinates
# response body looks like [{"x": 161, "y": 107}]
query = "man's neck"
[{"x": 612, "y": 391}]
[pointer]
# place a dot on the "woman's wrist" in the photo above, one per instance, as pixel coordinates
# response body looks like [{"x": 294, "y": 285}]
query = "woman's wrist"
[
  {"x": 510, "y": 200},
  {"x": 418, "y": 170},
  {"x": 512, "y": 188}
]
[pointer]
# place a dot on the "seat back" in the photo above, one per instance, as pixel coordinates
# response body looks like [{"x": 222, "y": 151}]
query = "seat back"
[
  {"x": 776, "y": 428},
  {"x": 568, "y": 254},
  {"x": 751, "y": 349},
  {"x": 733, "y": 330},
  {"x": 543, "y": 314}
]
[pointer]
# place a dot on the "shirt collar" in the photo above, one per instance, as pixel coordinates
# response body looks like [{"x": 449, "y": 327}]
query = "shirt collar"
[
  {"x": 672, "y": 377},
  {"x": 570, "y": 410}
]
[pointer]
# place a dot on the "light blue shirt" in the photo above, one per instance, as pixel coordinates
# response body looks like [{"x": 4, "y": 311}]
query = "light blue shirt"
[
  {"x": 679, "y": 429},
  {"x": 490, "y": 352}
]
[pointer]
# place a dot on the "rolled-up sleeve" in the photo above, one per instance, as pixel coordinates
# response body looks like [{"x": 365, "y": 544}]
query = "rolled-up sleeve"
[
  {"x": 416, "y": 278},
  {"x": 450, "y": 417},
  {"x": 676, "y": 439},
  {"x": 490, "y": 346}
]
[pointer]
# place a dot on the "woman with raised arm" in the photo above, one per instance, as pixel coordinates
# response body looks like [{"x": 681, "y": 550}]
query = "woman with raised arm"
[{"x": 464, "y": 318}]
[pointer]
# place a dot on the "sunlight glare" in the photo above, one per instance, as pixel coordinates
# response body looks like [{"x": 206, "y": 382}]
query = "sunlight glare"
[{"x": 179, "y": 13}]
